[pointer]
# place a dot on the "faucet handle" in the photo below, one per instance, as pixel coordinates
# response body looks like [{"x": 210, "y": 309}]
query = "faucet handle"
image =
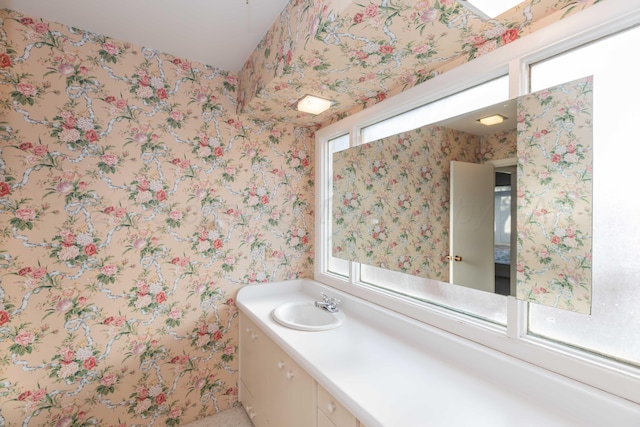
[{"x": 327, "y": 299}]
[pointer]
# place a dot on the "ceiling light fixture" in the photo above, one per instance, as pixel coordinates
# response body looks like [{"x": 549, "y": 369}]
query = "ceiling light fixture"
[
  {"x": 489, "y": 9},
  {"x": 313, "y": 105},
  {"x": 496, "y": 119}
]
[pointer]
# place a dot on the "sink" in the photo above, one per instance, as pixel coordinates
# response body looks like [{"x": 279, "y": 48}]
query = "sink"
[{"x": 305, "y": 316}]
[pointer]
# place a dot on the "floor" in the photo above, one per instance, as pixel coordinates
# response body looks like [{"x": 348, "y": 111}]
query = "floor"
[{"x": 234, "y": 417}]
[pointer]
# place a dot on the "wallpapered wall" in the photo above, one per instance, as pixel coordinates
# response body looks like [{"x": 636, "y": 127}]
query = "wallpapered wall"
[
  {"x": 134, "y": 203},
  {"x": 555, "y": 196},
  {"x": 391, "y": 197},
  {"x": 358, "y": 53}
]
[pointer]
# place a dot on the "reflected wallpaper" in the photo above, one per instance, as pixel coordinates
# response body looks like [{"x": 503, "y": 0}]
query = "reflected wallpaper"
[{"x": 391, "y": 197}]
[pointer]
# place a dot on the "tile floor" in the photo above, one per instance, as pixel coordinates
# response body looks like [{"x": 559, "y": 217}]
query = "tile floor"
[{"x": 234, "y": 417}]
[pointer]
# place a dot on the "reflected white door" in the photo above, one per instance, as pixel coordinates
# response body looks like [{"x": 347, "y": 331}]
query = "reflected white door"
[{"x": 471, "y": 227}]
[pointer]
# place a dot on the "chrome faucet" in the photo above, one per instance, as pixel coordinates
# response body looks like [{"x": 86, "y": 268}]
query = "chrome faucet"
[{"x": 329, "y": 304}]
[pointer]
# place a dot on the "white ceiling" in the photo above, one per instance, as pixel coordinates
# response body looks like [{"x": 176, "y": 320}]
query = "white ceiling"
[{"x": 221, "y": 33}]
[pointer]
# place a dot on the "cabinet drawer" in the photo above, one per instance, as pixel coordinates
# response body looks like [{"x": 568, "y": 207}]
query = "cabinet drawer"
[
  {"x": 251, "y": 406},
  {"x": 337, "y": 413}
]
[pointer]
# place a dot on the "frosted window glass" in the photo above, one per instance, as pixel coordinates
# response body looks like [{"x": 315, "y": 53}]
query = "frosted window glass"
[
  {"x": 335, "y": 265},
  {"x": 612, "y": 329}
]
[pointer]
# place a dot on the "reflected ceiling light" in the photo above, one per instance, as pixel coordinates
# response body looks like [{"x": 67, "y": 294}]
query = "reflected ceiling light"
[
  {"x": 492, "y": 120},
  {"x": 489, "y": 9},
  {"x": 313, "y": 105}
]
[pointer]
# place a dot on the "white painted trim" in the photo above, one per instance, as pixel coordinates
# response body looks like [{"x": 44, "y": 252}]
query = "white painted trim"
[
  {"x": 591, "y": 24},
  {"x": 500, "y": 163}
]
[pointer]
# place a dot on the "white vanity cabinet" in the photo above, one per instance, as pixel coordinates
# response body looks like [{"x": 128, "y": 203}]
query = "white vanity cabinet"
[
  {"x": 275, "y": 390},
  {"x": 331, "y": 413}
]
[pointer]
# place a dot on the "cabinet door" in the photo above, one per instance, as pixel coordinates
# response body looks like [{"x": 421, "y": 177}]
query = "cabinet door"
[
  {"x": 333, "y": 410},
  {"x": 291, "y": 393},
  {"x": 324, "y": 421},
  {"x": 254, "y": 379}
]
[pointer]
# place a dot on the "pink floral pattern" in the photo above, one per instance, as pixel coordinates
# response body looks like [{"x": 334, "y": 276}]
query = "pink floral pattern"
[
  {"x": 555, "y": 175},
  {"x": 134, "y": 204},
  {"x": 360, "y": 53}
]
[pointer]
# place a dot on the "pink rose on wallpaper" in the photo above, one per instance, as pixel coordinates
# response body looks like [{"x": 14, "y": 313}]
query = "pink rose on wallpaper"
[
  {"x": 90, "y": 249},
  {"x": 371, "y": 11},
  {"x": 110, "y": 159},
  {"x": 161, "y": 196},
  {"x": 109, "y": 269},
  {"x": 64, "y": 305},
  {"x": 160, "y": 297},
  {"x": 89, "y": 363},
  {"x": 175, "y": 314},
  {"x": 5, "y": 60},
  {"x": 25, "y": 338},
  {"x": 24, "y": 271},
  {"x": 357, "y": 18},
  {"x": 111, "y": 48},
  {"x": 4, "y": 317},
  {"x": 24, "y": 395},
  {"x": 161, "y": 93},
  {"x": 160, "y": 399},
  {"x": 5, "y": 190},
  {"x": 41, "y": 27},
  {"x": 176, "y": 115},
  {"x": 39, "y": 150},
  {"x": 175, "y": 412},
  {"x": 65, "y": 68},
  {"x": 64, "y": 187},
  {"x": 509, "y": 35},
  {"x": 175, "y": 215},
  {"x": 108, "y": 380},
  {"x": 27, "y": 89},
  {"x": 91, "y": 135},
  {"x": 38, "y": 394},
  {"x": 386, "y": 49},
  {"x": 26, "y": 214},
  {"x": 39, "y": 272}
]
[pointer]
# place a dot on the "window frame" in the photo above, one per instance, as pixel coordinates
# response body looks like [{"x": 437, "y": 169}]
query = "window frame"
[{"x": 598, "y": 21}]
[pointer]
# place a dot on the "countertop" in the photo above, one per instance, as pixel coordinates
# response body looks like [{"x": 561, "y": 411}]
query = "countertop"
[{"x": 392, "y": 371}]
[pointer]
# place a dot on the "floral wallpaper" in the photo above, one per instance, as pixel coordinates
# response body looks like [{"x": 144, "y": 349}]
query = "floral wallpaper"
[
  {"x": 391, "y": 197},
  {"x": 134, "y": 203},
  {"x": 555, "y": 175},
  {"x": 360, "y": 53}
]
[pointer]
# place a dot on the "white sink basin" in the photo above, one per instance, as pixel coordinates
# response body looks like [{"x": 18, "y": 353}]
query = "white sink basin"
[{"x": 305, "y": 316}]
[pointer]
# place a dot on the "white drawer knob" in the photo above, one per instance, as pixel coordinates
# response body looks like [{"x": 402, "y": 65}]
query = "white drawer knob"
[
  {"x": 289, "y": 375},
  {"x": 281, "y": 364},
  {"x": 331, "y": 407}
]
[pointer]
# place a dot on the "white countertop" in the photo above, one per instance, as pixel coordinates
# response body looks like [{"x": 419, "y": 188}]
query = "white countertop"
[{"x": 392, "y": 371}]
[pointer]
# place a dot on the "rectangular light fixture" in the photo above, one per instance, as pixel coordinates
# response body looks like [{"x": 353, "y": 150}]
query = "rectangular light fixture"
[
  {"x": 492, "y": 120},
  {"x": 489, "y": 9},
  {"x": 313, "y": 105}
]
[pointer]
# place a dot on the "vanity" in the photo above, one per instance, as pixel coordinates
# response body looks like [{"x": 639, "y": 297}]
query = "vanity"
[{"x": 382, "y": 369}]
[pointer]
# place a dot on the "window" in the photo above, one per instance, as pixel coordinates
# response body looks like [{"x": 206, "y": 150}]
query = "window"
[
  {"x": 616, "y": 235},
  {"x": 603, "y": 349}
]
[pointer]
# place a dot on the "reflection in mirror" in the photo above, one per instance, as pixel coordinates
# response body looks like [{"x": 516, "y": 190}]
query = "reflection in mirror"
[
  {"x": 410, "y": 202},
  {"x": 391, "y": 197}
]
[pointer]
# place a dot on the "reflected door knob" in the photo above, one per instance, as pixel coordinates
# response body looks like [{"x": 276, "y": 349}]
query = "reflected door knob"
[{"x": 456, "y": 258}]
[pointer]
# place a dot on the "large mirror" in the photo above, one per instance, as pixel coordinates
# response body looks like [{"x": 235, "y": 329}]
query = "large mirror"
[{"x": 439, "y": 201}]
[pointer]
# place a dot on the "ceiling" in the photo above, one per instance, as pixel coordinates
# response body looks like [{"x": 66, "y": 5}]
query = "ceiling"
[{"x": 221, "y": 33}]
